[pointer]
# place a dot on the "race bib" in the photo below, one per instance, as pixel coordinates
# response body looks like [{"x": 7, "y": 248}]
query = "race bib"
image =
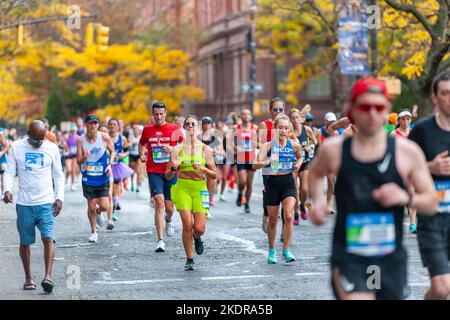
[
  {"x": 371, "y": 234},
  {"x": 205, "y": 199},
  {"x": 159, "y": 156},
  {"x": 247, "y": 145},
  {"x": 94, "y": 169},
  {"x": 443, "y": 189},
  {"x": 73, "y": 149}
]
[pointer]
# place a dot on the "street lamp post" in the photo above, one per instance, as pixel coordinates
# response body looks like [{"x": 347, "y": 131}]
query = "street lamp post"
[
  {"x": 252, "y": 49},
  {"x": 373, "y": 46}
]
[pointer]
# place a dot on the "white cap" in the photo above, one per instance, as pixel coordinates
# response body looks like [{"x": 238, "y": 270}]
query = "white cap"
[{"x": 330, "y": 116}]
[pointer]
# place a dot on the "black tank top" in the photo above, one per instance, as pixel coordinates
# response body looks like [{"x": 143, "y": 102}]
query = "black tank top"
[
  {"x": 212, "y": 138},
  {"x": 304, "y": 142},
  {"x": 357, "y": 211}
]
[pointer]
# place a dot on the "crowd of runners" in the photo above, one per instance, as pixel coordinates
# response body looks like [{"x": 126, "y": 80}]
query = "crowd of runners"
[{"x": 376, "y": 166}]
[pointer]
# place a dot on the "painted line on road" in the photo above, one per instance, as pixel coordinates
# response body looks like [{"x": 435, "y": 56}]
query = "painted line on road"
[
  {"x": 77, "y": 245},
  {"x": 137, "y": 281},
  {"x": 248, "y": 244},
  {"x": 304, "y": 274},
  {"x": 135, "y": 233},
  {"x": 419, "y": 284},
  {"x": 232, "y": 264},
  {"x": 236, "y": 277}
]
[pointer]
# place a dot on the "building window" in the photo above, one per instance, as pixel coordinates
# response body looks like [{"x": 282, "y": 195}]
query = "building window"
[{"x": 319, "y": 86}]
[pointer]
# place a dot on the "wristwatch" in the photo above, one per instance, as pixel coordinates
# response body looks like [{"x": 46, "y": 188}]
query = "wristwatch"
[{"x": 173, "y": 169}]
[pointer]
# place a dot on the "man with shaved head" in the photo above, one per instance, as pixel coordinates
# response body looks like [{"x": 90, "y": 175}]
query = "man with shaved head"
[{"x": 37, "y": 162}]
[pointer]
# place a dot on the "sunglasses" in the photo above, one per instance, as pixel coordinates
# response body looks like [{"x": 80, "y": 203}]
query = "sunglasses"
[
  {"x": 368, "y": 107},
  {"x": 190, "y": 124},
  {"x": 278, "y": 110},
  {"x": 36, "y": 141}
]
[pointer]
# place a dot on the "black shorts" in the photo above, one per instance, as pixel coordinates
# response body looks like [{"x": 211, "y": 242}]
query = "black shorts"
[
  {"x": 91, "y": 192},
  {"x": 134, "y": 158},
  {"x": 244, "y": 166},
  {"x": 72, "y": 156},
  {"x": 433, "y": 234},
  {"x": 279, "y": 188},
  {"x": 304, "y": 166},
  {"x": 359, "y": 275}
]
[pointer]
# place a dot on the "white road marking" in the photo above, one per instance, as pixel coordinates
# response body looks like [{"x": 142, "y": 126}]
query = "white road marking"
[
  {"x": 135, "y": 233},
  {"x": 137, "y": 281},
  {"x": 310, "y": 274},
  {"x": 236, "y": 277},
  {"x": 248, "y": 245},
  {"x": 419, "y": 284},
  {"x": 232, "y": 264},
  {"x": 77, "y": 245}
]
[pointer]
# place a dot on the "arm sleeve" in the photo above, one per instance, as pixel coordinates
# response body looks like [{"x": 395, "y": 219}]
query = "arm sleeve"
[
  {"x": 58, "y": 175},
  {"x": 10, "y": 172}
]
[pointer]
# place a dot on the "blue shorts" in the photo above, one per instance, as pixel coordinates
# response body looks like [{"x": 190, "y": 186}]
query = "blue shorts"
[
  {"x": 160, "y": 185},
  {"x": 28, "y": 217}
]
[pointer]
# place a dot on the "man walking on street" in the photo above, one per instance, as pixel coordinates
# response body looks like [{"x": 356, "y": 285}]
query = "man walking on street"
[{"x": 36, "y": 161}]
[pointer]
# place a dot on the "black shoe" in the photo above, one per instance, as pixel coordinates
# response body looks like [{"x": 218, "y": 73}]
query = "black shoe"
[
  {"x": 199, "y": 247},
  {"x": 239, "y": 200},
  {"x": 247, "y": 208},
  {"x": 118, "y": 207},
  {"x": 189, "y": 265}
]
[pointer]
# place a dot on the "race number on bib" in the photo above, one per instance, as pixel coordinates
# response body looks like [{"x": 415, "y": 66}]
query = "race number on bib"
[
  {"x": 247, "y": 145},
  {"x": 159, "y": 156},
  {"x": 371, "y": 234},
  {"x": 94, "y": 169},
  {"x": 443, "y": 189},
  {"x": 73, "y": 149},
  {"x": 205, "y": 199}
]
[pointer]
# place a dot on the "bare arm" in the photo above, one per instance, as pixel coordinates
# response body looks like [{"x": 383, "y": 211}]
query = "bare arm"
[
  {"x": 110, "y": 147},
  {"x": 311, "y": 135},
  {"x": 298, "y": 153},
  {"x": 81, "y": 153},
  {"x": 210, "y": 170},
  {"x": 261, "y": 134},
  {"x": 174, "y": 162},
  {"x": 261, "y": 158}
]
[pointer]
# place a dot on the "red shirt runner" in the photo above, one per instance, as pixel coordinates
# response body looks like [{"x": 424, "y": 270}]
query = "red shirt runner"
[
  {"x": 245, "y": 148},
  {"x": 154, "y": 139}
]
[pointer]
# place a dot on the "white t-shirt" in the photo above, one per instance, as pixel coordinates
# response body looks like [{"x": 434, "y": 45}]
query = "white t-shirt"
[{"x": 36, "y": 168}]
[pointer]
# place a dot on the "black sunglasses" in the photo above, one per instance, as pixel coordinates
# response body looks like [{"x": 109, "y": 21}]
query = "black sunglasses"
[
  {"x": 36, "y": 141},
  {"x": 278, "y": 110},
  {"x": 193, "y": 124}
]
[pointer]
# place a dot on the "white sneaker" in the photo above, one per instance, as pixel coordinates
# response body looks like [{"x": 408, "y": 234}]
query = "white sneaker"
[
  {"x": 93, "y": 237},
  {"x": 161, "y": 246},
  {"x": 170, "y": 229},
  {"x": 73, "y": 188}
]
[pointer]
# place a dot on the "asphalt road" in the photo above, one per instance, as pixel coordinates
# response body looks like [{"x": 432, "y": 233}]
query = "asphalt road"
[{"x": 123, "y": 264}]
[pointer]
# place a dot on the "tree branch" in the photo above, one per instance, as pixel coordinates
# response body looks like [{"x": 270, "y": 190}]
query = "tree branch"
[{"x": 413, "y": 10}]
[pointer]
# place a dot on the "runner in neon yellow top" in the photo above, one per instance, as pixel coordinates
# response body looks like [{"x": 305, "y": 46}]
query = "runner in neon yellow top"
[{"x": 195, "y": 162}]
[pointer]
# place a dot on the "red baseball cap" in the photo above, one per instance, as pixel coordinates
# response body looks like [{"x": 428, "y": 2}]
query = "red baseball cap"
[{"x": 369, "y": 85}]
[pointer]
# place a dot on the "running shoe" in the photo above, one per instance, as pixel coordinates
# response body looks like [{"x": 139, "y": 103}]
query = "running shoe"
[
  {"x": 199, "y": 247},
  {"x": 247, "y": 208},
  {"x": 132, "y": 188},
  {"x": 296, "y": 219},
  {"x": 288, "y": 256},
  {"x": 265, "y": 222},
  {"x": 93, "y": 237},
  {"x": 114, "y": 217},
  {"x": 118, "y": 206},
  {"x": 137, "y": 190},
  {"x": 222, "y": 198},
  {"x": 189, "y": 266},
  {"x": 413, "y": 228},
  {"x": 110, "y": 225},
  {"x": 303, "y": 212},
  {"x": 161, "y": 246},
  {"x": 272, "y": 257},
  {"x": 239, "y": 200},
  {"x": 73, "y": 188},
  {"x": 170, "y": 229}
]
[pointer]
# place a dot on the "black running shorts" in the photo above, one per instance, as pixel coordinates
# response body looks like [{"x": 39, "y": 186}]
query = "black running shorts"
[
  {"x": 279, "y": 188},
  {"x": 91, "y": 192}
]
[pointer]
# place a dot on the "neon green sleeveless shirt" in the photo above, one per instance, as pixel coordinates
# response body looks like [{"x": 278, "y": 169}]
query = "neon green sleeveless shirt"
[{"x": 187, "y": 160}]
